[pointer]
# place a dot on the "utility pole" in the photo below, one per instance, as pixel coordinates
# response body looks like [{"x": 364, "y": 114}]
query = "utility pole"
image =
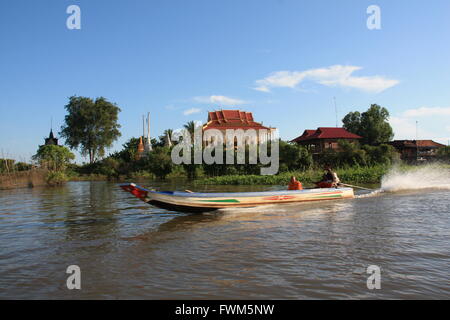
[
  {"x": 335, "y": 110},
  {"x": 417, "y": 141}
]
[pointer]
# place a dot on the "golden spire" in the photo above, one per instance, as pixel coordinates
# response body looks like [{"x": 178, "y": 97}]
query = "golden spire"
[{"x": 140, "y": 150}]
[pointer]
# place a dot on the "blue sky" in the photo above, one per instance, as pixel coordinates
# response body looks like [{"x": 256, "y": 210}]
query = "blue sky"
[{"x": 283, "y": 60}]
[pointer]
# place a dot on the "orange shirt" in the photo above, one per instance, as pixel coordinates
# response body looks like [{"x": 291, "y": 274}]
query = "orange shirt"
[{"x": 297, "y": 185}]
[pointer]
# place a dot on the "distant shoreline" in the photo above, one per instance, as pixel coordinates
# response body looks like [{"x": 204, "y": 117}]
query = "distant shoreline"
[
  {"x": 349, "y": 175},
  {"x": 352, "y": 175},
  {"x": 23, "y": 179}
]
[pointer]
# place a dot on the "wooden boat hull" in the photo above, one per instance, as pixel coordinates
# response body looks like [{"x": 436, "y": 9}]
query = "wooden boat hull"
[{"x": 204, "y": 202}]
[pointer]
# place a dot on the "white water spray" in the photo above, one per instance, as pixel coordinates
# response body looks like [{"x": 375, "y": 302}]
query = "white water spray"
[{"x": 423, "y": 177}]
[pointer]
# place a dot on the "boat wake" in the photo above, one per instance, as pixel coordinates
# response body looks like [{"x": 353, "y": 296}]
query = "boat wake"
[
  {"x": 432, "y": 177},
  {"x": 423, "y": 177},
  {"x": 373, "y": 193}
]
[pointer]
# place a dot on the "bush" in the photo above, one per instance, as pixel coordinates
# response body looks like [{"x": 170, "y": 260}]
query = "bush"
[
  {"x": 159, "y": 162},
  {"x": 294, "y": 157},
  {"x": 56, "y": 178},
  {"x": 384, "y": 154},
  {"x": 444, "y": 153},
  {"x": 349, "y": 175},
  {"x": 52, "y": 157}
]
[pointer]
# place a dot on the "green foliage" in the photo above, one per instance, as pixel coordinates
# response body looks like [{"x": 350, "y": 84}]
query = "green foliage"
[
  {"x": 91, "y": 125},
  {"x": 348, "y": 154},
  {"x": 166, "y": 138},
  {"x": 128, "y": 153},
  {"x": 308, "y": 177},
  {"x": 7, "y": 165},
  {"x": 444, "y": 153},
  {"x": 159, "y": 162},
  {"x": 22, "y": 166},
  {"x": 190, "y": 127},
  {"x": 383, "y": 154},
  {"x": 56, "y": 178},
  {"x": 294, "y": 157},
  {"x": 53, "y": 157},
  {"x": 215, "y": 169},
  {"x": 372, "y": 125},
  {"x": 351, "y": 154}
]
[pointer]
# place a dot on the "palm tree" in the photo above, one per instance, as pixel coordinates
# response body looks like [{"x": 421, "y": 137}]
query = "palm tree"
[
  {"x": 190, "y": 127},
  {"x": 168, "y": 137}
]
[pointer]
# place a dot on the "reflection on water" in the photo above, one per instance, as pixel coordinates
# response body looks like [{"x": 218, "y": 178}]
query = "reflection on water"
[{"x": 127, "y": 249}]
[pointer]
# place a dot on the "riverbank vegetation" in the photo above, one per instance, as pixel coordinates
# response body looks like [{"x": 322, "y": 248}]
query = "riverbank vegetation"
[
  {"x": 55, "y": 159},
  {"x": 355, "y": 163},
  {"x": 309, "y": 177},
  {"x": 91, "y": 127},
  {"x": 20, "y": 175}
]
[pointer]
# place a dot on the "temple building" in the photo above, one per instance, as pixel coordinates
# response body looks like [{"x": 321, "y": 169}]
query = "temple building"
[
  {"x": 236, "y": 119},
  {"x": 51, "y": 140},
  {"x": 323, "y": 138},
  {"x": 145, "y": 142}
]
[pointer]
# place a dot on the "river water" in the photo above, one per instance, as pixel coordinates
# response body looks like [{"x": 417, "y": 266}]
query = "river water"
[{"x": 127, "y": 249}]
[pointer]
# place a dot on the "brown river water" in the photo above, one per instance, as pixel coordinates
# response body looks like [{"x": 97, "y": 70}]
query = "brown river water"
[{"x": 127, "y": 249}]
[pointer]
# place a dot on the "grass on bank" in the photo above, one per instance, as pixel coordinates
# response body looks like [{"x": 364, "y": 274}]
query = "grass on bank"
[
  {"x": 347, "y": 175},
  {"x": 351, "y": 175}
]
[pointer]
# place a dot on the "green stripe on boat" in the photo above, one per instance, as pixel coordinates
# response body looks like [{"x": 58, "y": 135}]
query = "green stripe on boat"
[
  {"x": 225, "y": 200},
  {"x": 332, "y": 196}
]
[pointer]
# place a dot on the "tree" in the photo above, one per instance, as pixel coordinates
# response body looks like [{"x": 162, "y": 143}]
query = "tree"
[
  {"x": 444, "y": 153},
  {"x": 91, "y": 125},
  {"x": 128, "y": 153},
  {"x": 54, "y": 158},
  {"x": 372, "y": 125},
  {"x": 294, "y": 157},
  {"x": 22, "y": 166},
  {"x": 190, "y": 127},
  {"x": 159, "y": 162},
  {"x": 349, "y": 154},
  {"x": 7, "y": 165},
  {"x": 168, "y": 137},
  {"x": 382, "y": 154}
]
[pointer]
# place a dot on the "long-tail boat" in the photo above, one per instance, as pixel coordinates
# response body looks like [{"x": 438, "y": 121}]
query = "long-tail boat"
[{"x": 204, "y": 202}]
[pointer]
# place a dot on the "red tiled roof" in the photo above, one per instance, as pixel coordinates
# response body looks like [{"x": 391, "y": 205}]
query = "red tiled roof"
[
  {"x": 416, "y": 143},
  {"x": 232, "y": 119},
  {"x": 326, "y": 133}
]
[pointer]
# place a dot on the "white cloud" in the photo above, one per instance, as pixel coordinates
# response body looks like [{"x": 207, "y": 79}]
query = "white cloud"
[
  {"x": 426, "y": 111},
  {"x": 191, "y": 111},
  {"x": 432, "y": 124},
  {"x": 336, "y": 75},
  {"x": 221, "y": 100},
  {"x": 405, "y": 128}
]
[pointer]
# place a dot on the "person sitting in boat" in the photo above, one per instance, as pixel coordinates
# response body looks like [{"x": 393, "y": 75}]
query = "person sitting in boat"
[
  {"x": 294, "y": 184},
  {"x": 329, "y": 180}
]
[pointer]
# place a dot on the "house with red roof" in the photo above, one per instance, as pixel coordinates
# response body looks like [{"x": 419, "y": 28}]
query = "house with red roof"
[
  {"x": 417, "y": 150},
  {"x": 323, "y": 138},
  {"x": 235, "y": 119}
]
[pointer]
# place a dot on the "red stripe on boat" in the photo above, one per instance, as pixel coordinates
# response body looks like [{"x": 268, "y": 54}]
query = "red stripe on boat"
[
  {"x": 275, "y": 198},
  {"x": 138, "y": 193}
]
